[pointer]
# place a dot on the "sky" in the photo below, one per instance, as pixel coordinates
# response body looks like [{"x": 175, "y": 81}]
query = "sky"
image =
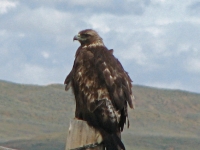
[{"x": 157, "y": 41}]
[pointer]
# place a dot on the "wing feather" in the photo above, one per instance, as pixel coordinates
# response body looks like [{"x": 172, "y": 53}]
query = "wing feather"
[
  {"x": 116, "y": 78},
  {"x": 68, "y": 80}
]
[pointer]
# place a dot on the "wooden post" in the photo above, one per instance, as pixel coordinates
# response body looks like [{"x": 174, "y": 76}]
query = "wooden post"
[
  {"x": 83, "y": 137},
  {"x": 6, "y": 148}
]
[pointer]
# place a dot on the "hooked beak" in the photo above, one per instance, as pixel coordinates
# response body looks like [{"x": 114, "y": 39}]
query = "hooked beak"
[{"x": 77, "y": 37}]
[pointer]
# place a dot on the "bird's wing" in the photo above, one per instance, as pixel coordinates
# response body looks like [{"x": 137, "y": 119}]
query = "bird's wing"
[
  {"x": 68, "y": 80},
  {"x": 116, "y": 79}
]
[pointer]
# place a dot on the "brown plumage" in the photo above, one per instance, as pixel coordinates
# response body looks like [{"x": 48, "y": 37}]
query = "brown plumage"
[{"x": 102, "y": 88}]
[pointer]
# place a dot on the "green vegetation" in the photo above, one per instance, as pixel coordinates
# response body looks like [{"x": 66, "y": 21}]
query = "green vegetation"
[{"x": 37, "y": 118}]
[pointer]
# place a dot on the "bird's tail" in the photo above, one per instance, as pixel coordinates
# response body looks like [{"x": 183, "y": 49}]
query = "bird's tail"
[{"x": 113, "y": 142}]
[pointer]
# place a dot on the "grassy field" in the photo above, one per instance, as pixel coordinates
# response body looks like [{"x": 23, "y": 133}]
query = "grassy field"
[{"x": 37, "y": 117}]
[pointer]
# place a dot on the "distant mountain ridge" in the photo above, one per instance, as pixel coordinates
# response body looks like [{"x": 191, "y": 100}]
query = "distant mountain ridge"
[{"x": 41, "y": 114}]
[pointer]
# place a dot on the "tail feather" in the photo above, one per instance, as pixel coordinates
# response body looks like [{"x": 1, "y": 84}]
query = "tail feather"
[{"x": 113, "y": 142}]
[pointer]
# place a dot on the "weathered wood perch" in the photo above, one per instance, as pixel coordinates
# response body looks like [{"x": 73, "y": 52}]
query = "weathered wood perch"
[
  {"x": 83, "y": 137},
  {"x": 6, "y": 148}
]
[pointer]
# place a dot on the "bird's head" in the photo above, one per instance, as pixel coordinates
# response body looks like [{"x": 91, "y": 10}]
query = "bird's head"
[{"x": 88, "y": 37}]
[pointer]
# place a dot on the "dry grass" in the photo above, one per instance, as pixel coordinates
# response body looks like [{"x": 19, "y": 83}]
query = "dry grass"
[{"x": 38, "y": 118}]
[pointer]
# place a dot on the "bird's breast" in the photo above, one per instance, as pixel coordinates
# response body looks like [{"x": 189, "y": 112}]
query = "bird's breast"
[{"x": 88, "y": 81}]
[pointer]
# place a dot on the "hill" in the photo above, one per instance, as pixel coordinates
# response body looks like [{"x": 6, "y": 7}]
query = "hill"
[{"x": 37, "y": 117}]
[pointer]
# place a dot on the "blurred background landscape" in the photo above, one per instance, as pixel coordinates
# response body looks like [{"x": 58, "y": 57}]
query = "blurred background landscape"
[
  {"x": 157, "y": 42},
  {"x": 36, "y": 117}
]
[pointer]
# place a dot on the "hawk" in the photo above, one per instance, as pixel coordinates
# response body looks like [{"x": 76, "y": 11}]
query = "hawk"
[{"x": 102, "y": 88}]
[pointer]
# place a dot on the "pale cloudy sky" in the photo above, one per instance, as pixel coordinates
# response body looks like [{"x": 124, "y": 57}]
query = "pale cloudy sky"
[{"x": 157, "y": 41}]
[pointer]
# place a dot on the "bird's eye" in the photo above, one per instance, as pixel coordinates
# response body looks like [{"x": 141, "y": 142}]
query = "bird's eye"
[{"x": 86, "y": 35}]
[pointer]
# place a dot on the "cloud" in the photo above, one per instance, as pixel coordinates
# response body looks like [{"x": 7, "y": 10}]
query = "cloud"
[
  {"x": 45, "y": 54},
  {"x": 98, "y": 23},
  {"x": 135, "y": 7},
  {"x": 33, "y": 74},
  {"x": 160, "y": 1},
  {"x": 164, "y": 21},
  {"x": 193, "y": 65},
  {"x": 155, "y": 31},
  {"x": 157, "y": 41},
  {"x": 44, "y": 20},
  {"x": 194, "y": 8},
  {"x": 6, "y": 5},
  {"x": 102, "y": 3},
  {"x": 135, "y": 53},
  {"x": 88, "y": 7}
]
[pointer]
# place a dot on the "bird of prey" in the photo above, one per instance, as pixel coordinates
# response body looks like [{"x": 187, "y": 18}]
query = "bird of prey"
[{"x": 102, "y": 88}]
